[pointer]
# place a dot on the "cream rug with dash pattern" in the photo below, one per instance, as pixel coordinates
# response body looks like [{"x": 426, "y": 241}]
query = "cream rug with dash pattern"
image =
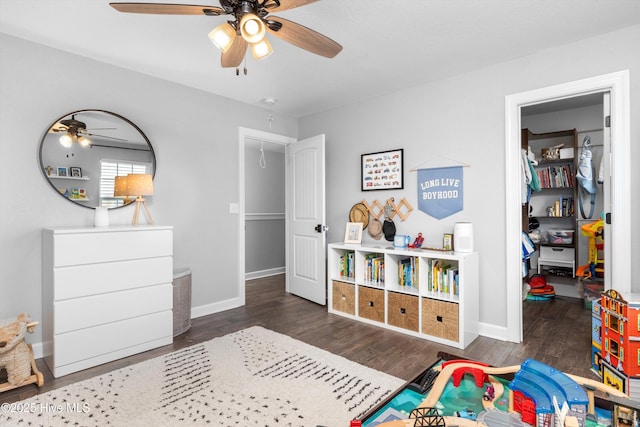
[{"x": 254, "y": 377}]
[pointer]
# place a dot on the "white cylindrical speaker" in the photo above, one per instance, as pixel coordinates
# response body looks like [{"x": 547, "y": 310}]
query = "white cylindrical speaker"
[{"x": 463, "y": 237}]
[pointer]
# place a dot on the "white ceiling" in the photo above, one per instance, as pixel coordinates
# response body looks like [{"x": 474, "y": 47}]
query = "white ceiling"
[{"x": 388, "y": 45}]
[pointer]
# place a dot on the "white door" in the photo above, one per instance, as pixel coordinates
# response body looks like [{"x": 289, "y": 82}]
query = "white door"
[
  {"x": 606, "y": 186},
  {"x": 306, "y": 268}
]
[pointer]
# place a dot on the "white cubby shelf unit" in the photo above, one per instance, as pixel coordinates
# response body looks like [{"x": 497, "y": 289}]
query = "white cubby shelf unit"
[{"x": 425, "y": 293}]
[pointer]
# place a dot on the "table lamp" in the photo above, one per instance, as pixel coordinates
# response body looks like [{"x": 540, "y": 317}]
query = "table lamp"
[
  {"x": 120, "y": 188},
  {"x": 139, "y": 185}
]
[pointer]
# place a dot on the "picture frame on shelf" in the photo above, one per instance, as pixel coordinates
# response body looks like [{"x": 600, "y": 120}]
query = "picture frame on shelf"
[
  {"x": 383, "y": 170},
  {"x": 75, "y": 172},
  {"x": 353, "y": 233},
  {"x": 62, "y": 171}
]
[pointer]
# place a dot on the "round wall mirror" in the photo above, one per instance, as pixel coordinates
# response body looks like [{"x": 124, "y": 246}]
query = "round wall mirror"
[{"x": 82, "y": 153}]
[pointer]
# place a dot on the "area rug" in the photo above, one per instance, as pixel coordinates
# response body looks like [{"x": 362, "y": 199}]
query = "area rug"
[{"x": 254, "y": 377}]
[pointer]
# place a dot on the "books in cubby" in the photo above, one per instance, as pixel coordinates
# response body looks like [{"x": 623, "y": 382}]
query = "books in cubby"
[
  {"x": 563, "y": 207},
  {"x": 374, "y": 268},
  {"x": 443, "y": 277},
  {"x": 556, "y": 176},
  {"x": 408, "y": 272},
  {"x": 347, "y": 265}
]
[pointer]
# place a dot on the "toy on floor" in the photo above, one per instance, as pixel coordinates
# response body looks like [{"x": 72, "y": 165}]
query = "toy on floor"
[
  {"x": 595, "y": 232},
  {"x": 16, "y": 356}
]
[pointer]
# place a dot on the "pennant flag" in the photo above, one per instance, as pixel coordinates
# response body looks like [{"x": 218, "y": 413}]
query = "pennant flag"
[{"x": 440, "y": 191}]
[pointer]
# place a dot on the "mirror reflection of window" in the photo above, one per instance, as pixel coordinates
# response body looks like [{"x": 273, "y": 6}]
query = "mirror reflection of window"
[{"x": 109, "y": 169}]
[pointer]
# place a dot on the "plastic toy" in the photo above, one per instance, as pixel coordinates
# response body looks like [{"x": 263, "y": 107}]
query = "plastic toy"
[
  {"x": 417, "y": 242},
  {"x": 595, "y": 232}
]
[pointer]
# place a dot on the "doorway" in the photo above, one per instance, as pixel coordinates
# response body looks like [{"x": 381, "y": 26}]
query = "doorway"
[
  {"x": 270, "y": 217},
  {"x": 617, "y": 84}
]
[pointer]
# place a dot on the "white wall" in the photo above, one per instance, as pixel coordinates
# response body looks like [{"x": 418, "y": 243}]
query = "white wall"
[
  {"x": 462, "y": 118},
  {"x": 195, "y": 137}
]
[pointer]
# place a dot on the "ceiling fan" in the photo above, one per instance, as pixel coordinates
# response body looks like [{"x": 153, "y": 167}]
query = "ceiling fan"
[
  {"x": 251, "y": 21},
  {"x": 76, "y": 131}
]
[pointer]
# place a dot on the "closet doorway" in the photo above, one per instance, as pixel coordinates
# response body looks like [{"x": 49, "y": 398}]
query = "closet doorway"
[
  {"x": 618, "y": 270},
  {"x": 583, "y": 115}
]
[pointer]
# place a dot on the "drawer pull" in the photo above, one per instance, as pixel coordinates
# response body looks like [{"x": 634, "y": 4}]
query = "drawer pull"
[
  {"x": 557, "y": 249},
  {"x": 403, "y": 310},
  {"x": 344, "y": 297},
  {"x": 370, "y": 303},
  {"x": 439, "y": 318}
]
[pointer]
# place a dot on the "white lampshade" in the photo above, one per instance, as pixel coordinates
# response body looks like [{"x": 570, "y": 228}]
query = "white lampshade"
[
  {"x": 262, "y": 49},
  {"x": 139, "y": 184},
  {"x": 223, "y": 36},
  {"x": 252, "y": 28}
]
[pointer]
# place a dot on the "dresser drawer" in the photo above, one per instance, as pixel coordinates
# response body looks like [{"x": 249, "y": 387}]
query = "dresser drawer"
[
  {"x": 76, "y": 346},
  {"x": 95, "y": 247},
  {"x": 344, "y": 297},
  {"x": 87, "y": 312},
  {"x": 554, "y": 252},
  {"x": 403, "y": 311},
  {"x": 91, "y": 279},
  {"x": 371, "y": 303}
]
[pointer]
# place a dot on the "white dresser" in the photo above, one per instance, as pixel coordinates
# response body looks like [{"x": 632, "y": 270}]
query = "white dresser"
[{"x": 106, "y": 294}]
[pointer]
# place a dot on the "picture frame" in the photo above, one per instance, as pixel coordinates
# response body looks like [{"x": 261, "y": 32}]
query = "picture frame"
[
  {"x": 75, "y": 172},
  {"x": 62, "y": 171},
  {"x": 383, "y": 170},
  {"x": 353, "y": 233}
]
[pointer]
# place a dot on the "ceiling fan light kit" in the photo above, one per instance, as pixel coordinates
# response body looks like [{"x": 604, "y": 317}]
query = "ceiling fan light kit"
[
  {"x": 262, "y": 49},
  {"x": 223, "y": 36},
  {"x": 252, "y": 21},
  {"x": 252, "y": 28}
]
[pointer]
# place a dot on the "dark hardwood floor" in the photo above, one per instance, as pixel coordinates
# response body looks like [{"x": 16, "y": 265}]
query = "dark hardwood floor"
[{"x": 557, "y": 333}]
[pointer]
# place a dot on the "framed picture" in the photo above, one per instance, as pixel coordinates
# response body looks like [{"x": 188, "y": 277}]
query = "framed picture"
[
  {"x": 75, "y": 172},
  {"x": 62, "y": 171},
  {"x": 383, "y": 170},
  {"x": 353, "y": 233}
]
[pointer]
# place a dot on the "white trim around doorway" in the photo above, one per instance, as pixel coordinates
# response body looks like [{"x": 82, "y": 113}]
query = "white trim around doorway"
[{"x": 618, "y": 85}]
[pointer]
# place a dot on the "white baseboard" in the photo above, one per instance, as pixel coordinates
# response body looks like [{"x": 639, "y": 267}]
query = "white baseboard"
[
  {"x": 493, "y": 331},
  {"x": 216, "y": 307},
  {"x": 264, "y": 273}
]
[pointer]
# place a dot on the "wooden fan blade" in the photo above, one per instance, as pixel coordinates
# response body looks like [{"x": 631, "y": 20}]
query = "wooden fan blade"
[
  {"x": 305, "y": 38},
  {"x": 288, "y": 4},
  {"x": 234, "y": 56},
  {"x": 168, "y": 9}
]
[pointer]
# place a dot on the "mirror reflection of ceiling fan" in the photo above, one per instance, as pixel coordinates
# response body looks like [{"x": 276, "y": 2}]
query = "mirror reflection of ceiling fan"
[
  {"x": 76, "y": 131},
  {"x": 251, "y": 21}
]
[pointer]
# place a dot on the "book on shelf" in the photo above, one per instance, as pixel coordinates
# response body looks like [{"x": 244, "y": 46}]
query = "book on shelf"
[
  {"x": 556, "y": 176},
  {"x": 374, "y": 268},
  {"x": 443, "y": 278},
  {"x": 408, "y": 272},
  {"x": 347, "y": 264}
]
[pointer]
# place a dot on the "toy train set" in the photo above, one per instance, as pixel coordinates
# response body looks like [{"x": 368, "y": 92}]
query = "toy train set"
[{"x": 459, "y": 392}]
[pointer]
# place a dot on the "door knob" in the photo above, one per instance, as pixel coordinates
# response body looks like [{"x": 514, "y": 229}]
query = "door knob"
[{"x": 320, "y": 228}]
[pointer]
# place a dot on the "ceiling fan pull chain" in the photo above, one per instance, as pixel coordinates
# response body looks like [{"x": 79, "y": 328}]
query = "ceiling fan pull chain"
[{"x": 263, "y": 162}]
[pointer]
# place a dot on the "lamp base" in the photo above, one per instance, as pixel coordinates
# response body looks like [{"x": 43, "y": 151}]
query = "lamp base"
[{"x": 136, "y": 213}]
